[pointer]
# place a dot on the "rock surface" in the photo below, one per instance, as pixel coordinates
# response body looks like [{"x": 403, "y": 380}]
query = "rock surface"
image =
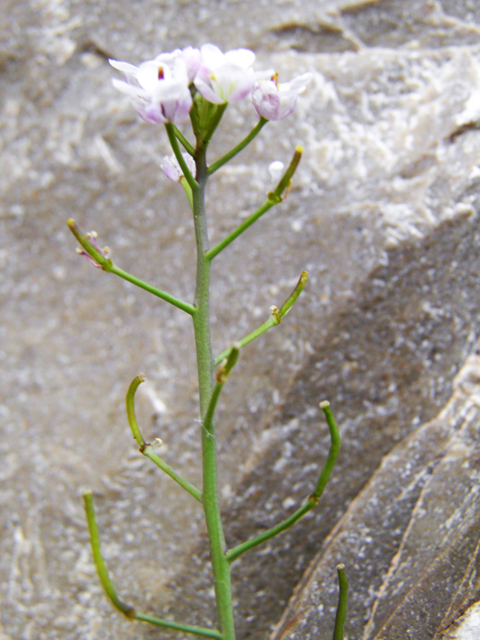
[
  {"x": 412, "y": 548},
  {"x": 383, "y": 215}
]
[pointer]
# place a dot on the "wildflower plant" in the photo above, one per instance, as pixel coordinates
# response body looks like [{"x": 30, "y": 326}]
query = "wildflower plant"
[{"x": 199, "y": 85}]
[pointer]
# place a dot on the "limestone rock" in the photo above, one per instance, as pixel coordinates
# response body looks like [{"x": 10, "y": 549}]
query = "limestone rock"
[
  {"x": 383, "y": 215},
  {"x": 411, "y": 548}
]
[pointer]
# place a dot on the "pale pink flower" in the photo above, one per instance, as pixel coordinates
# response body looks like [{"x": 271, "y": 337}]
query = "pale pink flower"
[
  {"x": 158, "y": 88},
  {"x": 193, "y": 59},
  {"x": 172, "y": 169},
  {"x": 274, "y": 101},
  {"x": 226, "y": 77}
]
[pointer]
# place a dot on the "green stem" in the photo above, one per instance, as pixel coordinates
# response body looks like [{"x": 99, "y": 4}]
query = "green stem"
[
  {"x": 222, "y": 376},
  {"x": 341, "y": 615},
  {"x": 210, "y": 497},
  {"x": 188, "y": 191},
  {"x": 268, "y": 204},
  {"x": 105, "y": 581},
  {"x": 107, "y": 584},
  {"x": 311, "y": 501},
  {"x": 147, "y": 449},
  {"x": 186, "y": 628},
  {"x": 184, "y": 142},
  {"x": 185, "y": 484},
  {"x": 170, "y": 128},
  {"x": 180, "y": 304},
  {"x": 286, "y": 180},
  {"x": 214, "y": 122},
  {"x": 240, "y": 146},
  {"x": 130, "y": 402},
  {"x": 273, "y": 321},
  {"x": 334, "y": 449},
  {"x": 107, "y": 265},
  {"x": 240, "y": 549},
  {"x": 273, "y": 198}
]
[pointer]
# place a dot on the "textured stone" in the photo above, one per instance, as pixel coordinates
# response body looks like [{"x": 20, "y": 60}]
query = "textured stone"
[
  {"x": 383, "y": 215},
  {"x": 409, "y": 539}
]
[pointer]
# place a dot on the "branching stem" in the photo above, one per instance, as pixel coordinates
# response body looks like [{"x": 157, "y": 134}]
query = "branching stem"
[
  {"x": 240, "y": 146},
  {"x": 184, "y": 142},
  {"x": 147, "y": 449},
  {"x": 107, "y": 265},
  {"x": 109, "y": 588},
  {"x": 274, "y": 320},
  {"x": 172, "y": 136},
  {"x": 311, "y": 501},
  {"x": 201, "y": 325},
  {"x": 205, "y": 117},
  {"x": 273, "y": 198}
]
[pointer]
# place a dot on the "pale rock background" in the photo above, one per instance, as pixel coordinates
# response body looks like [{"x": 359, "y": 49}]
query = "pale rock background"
[{"x": 383, "y": 215}]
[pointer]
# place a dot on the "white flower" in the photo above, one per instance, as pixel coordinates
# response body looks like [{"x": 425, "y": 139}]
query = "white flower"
[
  {"x": 172, "y": 169},
  {"x": 159, "y": 87},
  {"x": 225, "y": 77},
  {"x": 193, "y": 59},
  {"x": 274, "y": 101}
]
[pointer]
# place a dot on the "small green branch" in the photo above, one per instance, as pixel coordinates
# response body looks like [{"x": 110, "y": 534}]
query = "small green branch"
[
  {"x": 293, "y": 297},
  {"x": 188, "y": 191},
  {"x": 240, "y": 146},
  {"x": 286, "y": 181},
  {"x": 180, "y": 304},
  {"x": 89, "y": 248},
  {"x": 186, "y": 628},
  {"x": 107, "y": 265},
  {"x": 221, "y": 378},
  {"x": 98, "y": 558},
  {"x": 185, "y": 484},
  {"x": 147, "y": 449},
  {"x": 274, "y": 320},
  {"x": 184, "y": 142},
  {"x": 240, "y": 549},
  {"x": 341, "y": 616},
  {"x": 107, "y": 584},
  {"x": 172, "y": 136},
  {"x": 334, "y": 449},
  {"x": 311, "y": 501},
  {"x": 268, "y": 204},
  {"x": 273, "y": 198},
  {"x": 130, "y": 401},
  {"x": 251, "y": 336}
]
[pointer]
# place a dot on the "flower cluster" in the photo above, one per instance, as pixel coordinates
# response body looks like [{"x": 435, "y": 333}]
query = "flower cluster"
[{"x": 161, "y": 89}]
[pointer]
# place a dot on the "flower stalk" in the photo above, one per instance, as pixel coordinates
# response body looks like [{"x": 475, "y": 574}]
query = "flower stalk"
[{"x": 166, "y": 90}]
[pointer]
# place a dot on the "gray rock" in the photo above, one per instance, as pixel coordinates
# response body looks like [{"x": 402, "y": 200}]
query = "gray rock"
[
  {"x": 411, "y": 549},
  {"x": 388, "y": 361},
  {"x": 382, "y": 215}
]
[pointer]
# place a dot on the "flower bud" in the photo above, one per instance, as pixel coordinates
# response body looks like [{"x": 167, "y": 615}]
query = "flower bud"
[
  {"x": 172, "y": 169},
  {"x": 274, "y": 101}
]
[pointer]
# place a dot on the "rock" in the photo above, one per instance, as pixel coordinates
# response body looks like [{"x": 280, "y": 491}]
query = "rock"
[
  {"x": 379, "y": 362},
  {"x": 410, "y": 547},
  {"x": 383, "y": 215}
]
